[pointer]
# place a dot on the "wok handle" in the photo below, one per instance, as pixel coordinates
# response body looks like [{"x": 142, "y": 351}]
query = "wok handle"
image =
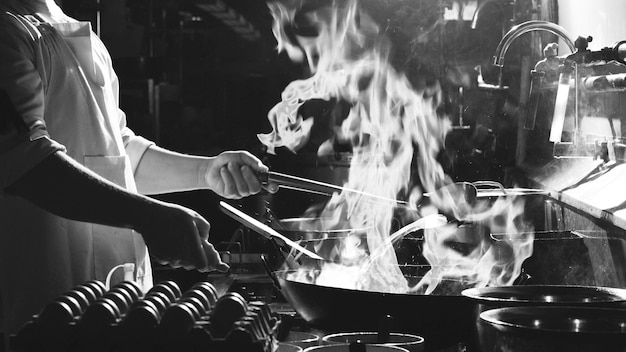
[
  {"x": 270, "y": 272},
  {"x": 262, "y": 228},
  {"x": 489, "y": 184}
]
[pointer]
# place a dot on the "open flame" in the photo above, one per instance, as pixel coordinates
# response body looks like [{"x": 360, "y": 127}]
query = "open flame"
[{"x": 392, "y": 128}]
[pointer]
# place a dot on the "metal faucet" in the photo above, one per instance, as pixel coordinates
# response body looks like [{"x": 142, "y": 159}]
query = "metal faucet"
[
  {"x": 523, "y": 28},
  {"x": 479, "y": 11}
]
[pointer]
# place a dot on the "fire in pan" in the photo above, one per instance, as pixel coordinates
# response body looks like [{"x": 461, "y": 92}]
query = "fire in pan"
[{"x": 330, "y": 299}]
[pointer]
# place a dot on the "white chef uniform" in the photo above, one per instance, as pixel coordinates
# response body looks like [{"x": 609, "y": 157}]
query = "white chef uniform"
[{"x": 60, "y": 79}]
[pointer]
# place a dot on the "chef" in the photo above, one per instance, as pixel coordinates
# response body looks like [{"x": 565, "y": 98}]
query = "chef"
[{"x": 74, "y": 177}]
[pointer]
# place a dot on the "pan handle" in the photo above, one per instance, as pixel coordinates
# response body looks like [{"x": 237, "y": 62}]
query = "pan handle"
[
  {"x": 263, "y": 229},
  {"x": 270, "y": 273},
  {"x": 489, "y": 184}
]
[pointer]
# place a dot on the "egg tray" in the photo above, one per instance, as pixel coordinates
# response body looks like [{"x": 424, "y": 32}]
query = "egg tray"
[{"x": 90, "y": 318}]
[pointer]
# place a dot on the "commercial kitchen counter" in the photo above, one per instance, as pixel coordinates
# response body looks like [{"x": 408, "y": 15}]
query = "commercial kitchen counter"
[
  {"x": 588, "y": 185},
  {"x": 588, "y": 197}
]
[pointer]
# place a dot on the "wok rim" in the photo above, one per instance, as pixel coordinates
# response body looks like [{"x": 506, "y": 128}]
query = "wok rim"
[
  {"x": 280, "y": 276},
  {"x": 486, "y": 294},
  {"x": 296, "y": 220},
  {"x": 551, "y": 312}
]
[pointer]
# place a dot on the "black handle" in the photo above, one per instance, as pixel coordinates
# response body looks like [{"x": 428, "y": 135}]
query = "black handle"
[{"x": 270, "y": 273}]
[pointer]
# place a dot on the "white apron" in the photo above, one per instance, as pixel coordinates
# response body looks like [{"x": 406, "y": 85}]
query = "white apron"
[{"x": 42, "y": 255}]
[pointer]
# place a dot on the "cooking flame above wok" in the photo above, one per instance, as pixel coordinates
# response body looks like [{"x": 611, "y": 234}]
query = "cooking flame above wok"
[{"x": 391, "y": 127}]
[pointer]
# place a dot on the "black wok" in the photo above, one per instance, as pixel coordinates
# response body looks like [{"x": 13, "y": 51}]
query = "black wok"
[
  {"x": 321, "y": 236},
  {"x": 442, "y": 318}
]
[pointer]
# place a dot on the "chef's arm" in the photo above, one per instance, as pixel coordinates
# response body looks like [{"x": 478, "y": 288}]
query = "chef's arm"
[
  {"x": 61, "y": 185},
  {"x": 175, "y": 235},
  {"x": 231, "y": 174}
]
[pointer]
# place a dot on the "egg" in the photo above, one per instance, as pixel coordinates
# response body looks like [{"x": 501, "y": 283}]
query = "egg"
[
  {"x": 160, "y": 300},
  {"x": 79, "y": 297},
  {"x": 177, "y": 320},
  {"x": 101, "y": 313},
  {"x": 89, "y": 292},
  {"x": 197, "y": 314},
  {"x": 98, "y": 287},
  {"x": 72, "y": 303},
  {"x": 142, "y": 303},
  {"x": 128, "y": 297},
  {"x": 55, "y": 314},
  {"x": 201, "y": 296},
  {"x": 132, "y": 288},
  {"x": 142, "y": 316},
  {"x": 173, "y": 286},
  {"x": 227, "y": 310},
  {"x": 166, "y": 290},
  {"x": 209, "y": 290},
  {"x": 198, "y": 306},
  {"x": 118, "y": 300},
  {"x": 235, "y": 295}
]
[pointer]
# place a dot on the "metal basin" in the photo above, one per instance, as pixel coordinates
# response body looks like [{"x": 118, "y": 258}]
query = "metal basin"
[
  {"x": 544, "y": 328},
  {"x": 488, "y": 298}
]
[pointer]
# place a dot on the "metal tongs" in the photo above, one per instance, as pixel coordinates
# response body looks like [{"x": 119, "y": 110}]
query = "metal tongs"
[
  {"x": 322, "y": 188},
  {"x": 459, "y": 195},
  {"x": 457, "y": 199}
]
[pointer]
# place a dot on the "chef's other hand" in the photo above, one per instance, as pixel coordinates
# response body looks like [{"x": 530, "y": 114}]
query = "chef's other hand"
[
  {"x": 178, "y": 236},
  {"x": 233, "y": 174}
]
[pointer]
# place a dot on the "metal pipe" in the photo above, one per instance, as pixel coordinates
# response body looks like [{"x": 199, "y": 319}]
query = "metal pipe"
[
  {"x": 523, "y": 28},
  {"x": 576, "y": 102}
]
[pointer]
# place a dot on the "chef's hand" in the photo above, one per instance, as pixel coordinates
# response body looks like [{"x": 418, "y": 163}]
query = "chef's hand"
[
  {"x": 178, "y": 236},
  {"x": 233, "y": 174}
]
